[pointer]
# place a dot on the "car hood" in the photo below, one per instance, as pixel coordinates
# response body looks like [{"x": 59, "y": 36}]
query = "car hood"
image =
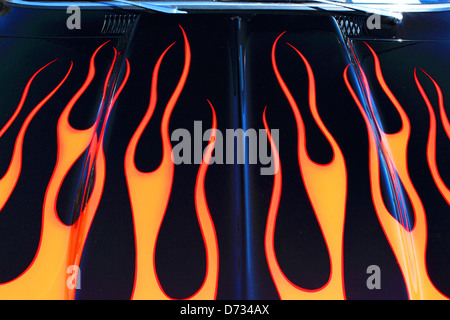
[{"x": 330, "y": 141}]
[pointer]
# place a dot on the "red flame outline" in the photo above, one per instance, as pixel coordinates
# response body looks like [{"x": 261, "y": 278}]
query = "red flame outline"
[
  {"x": 329, "y": 212},
  {"x": 45, "y": 277},
  {"x": 9, "y": 180},
  {"x": 409, "y": 247},
  {"x": 431, "y": 144},
  {"x": 146, "y": 229}
]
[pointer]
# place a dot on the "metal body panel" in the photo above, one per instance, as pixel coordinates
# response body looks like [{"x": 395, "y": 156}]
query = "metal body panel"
[{"x": 89, "y": 181}]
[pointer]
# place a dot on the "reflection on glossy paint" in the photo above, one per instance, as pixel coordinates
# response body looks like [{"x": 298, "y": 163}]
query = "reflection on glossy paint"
[
  {"x": 45, "y": 277},
  {"x": 408, "y": 245},
  {"x": 61, "y": 246}
]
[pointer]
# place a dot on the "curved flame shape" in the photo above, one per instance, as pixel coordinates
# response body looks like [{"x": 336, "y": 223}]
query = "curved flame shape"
[
  {"x": 9, "y": 180},
  {"x": 409, "y": 247},
  {"x": 431, "y": 145},
  {"x": 326, "y": 186},
  {"x": 149, "y": 194},
  {"x": 45, "y": 277},
  {"x": 208, "y": 289}
]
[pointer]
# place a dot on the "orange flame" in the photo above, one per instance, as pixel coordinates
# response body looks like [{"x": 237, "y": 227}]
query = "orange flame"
[
  {"x": 431, "y": 145},
  {"x": 45, "y": 277},
  {"x": 149, "y": 194},
  {"x": 9, "y": 180},
  {"x": 409, "y": 247},
  {"x": 326, "y": 186}
]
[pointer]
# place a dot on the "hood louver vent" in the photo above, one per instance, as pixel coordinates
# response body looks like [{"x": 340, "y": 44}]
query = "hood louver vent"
[
  {"x": 118, "y": 24},
  {"x": 352, "y": 26}
]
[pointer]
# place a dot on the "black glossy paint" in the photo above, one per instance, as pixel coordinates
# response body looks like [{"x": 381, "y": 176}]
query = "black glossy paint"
[{"x": 231, "y": 66}]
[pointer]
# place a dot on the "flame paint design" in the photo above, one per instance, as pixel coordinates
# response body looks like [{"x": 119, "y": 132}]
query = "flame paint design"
[
  {"x": 409, "y": 247},
  {"x": 9, "y": 180},
  {"x": 149, "y": 194},
  {"x": 431, "y": 146},
  {"x": 45, "y": 277},
  {"x": 61, "y": 245},
  {"x": 326, "y": 186}
]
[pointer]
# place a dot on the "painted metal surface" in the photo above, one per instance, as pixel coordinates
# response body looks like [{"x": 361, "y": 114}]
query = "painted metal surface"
[{"x": 90, "y": 120}]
